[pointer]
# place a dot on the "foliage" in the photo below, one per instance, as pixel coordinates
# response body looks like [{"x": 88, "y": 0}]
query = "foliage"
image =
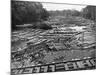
[
  {"x": 42, "y": 25},
  {"x": 65, "y": 13},
  {"x": 24, "y": 12},
  {"x": 89, "y": 12}
]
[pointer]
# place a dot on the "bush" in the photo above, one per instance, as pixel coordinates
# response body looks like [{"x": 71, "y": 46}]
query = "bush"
[{"x": 44, "y": 26}]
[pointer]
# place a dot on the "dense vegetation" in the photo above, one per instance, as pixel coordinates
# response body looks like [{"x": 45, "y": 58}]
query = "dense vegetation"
[
  {"x": 24, "y": 12},
  {"x": 89, "y": 12},
  {"x": 65, "y": 13}
]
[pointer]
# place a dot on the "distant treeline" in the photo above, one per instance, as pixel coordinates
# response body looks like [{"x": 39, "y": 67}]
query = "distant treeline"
[
  {"x": 89, "y": 12},
  {"x": 25, "y": 12},
  {"x": 64, "y": 13}
]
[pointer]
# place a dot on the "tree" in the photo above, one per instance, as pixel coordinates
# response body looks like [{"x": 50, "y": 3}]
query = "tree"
[
  {"x": 23, "y": 12},
  {"x": 44, "y": 14},
  {"x": 89, "y": 12}
]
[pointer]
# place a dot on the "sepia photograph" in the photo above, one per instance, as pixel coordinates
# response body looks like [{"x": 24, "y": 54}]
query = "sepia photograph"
[{"x": 52, "y": 37}]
